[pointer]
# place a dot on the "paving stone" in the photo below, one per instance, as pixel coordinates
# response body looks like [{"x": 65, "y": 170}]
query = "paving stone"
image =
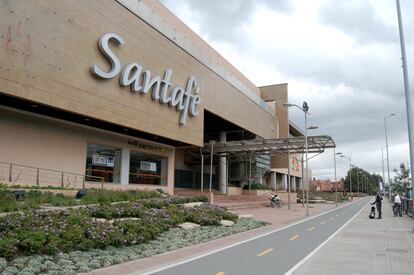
[
  {"x": 226, "y": 223},
  {"x": 193, "y": 204},
  {"x": 247, "y": 216},
  {"x": 188, "y": 225},
  {"x": 367, "y": 246}
]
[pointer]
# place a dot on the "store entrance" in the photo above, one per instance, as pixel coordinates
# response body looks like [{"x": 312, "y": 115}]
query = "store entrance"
[{"x": 147, "y": 169}]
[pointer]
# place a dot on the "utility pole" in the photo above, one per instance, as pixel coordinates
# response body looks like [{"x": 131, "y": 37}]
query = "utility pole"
[{"x": 408, "y": 95}]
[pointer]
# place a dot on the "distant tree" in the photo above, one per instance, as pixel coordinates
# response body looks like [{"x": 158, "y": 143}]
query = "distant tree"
[
  {"x": 400, "y": 182},
  {"x": 372, "y": 184}
]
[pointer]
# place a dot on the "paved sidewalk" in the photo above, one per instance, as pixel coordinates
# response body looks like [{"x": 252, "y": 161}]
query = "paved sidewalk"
[
  {"x": 367, "y": 246},
  {"x": 278, "y": 217}
]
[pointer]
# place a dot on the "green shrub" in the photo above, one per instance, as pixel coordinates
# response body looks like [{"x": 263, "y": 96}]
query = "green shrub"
[
  {"x": 199, "y": 198},
  {"x": 257, "y": 186},
  {"x": 53, "y": 244},
  {"x": 51, "y": 232},
  {"x": 31, "y": 242},
  {"x": 8, "y": 247}
]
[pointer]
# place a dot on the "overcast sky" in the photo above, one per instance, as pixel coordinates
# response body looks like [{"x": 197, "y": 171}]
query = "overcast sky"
[{"x": 342, "y": 57}]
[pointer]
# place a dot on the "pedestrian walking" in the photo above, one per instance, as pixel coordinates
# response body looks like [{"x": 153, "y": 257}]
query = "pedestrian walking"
[
  {"x": 397, "y": 205},
  {"x": 378, "y": 204}
]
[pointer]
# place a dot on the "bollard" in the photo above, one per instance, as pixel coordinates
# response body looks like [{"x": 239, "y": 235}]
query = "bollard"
[
  {"x": 61, "y": 180},
  {"x": 11, "y": 173},
  {"x": 37, "y": 177}
]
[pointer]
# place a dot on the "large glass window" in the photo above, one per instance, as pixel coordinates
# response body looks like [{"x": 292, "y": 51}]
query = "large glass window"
[
  {"x": 104, "y": 162},
  {"x": 147, "y": 169}
]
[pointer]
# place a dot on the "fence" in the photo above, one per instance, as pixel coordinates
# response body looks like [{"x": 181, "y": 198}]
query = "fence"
[{"x": 28, "y": 175}]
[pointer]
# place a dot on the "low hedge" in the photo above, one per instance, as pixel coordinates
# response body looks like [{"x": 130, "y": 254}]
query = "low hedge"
[
  {"x": 257, "y": 186},
  {"x": 35, "y": 198},
  {"x": 51, "y": 232}
]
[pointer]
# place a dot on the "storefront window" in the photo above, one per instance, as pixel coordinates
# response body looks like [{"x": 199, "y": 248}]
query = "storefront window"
[
  {"x": 147, "y": 169},
  {"x": 104, "y": 162}
]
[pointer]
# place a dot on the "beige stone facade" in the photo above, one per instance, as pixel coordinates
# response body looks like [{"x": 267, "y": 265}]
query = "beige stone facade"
[{"x": 53, "y": 107}]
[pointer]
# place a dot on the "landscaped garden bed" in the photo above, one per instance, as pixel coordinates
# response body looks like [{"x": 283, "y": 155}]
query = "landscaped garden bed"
[
  {"x": 78, "y": 240},
  {"x": 36, "y": 198}
]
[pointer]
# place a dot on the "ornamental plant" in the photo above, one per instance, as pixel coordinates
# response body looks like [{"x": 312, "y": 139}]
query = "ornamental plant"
[{"x": 96, "y": 227}]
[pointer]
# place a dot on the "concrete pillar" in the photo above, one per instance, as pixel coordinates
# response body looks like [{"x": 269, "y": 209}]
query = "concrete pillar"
[
  {"x": 170, "y": 172},
  {"x": 301, "y": 183},
  {"x": 164, "y": 172},
  {"x": 284, "y": 182},
  {"x": 222, "y": 169},
  {"x": 273, "y": 180},
  {"x": 294, "y": 184},
  {"x": 125, "y": 160}
]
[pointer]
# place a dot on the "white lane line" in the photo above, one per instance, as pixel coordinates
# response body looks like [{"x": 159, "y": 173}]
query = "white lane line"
[
  {"x": 293, "y": 269},
  {"x": 193, "y": 258},
  {"x": 312, "y": 228}
]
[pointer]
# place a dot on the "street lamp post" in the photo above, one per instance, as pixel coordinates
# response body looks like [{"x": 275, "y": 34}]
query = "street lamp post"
[
  {"x": 408, "y": 95},
  {"x": 383, "y": 173},
  {"x": 350, "y": 172},
  {"x": 336, "y": 181},
  {"x": 212, "y": 142},
  {"x": 357, "y": 170},
  {"x": 388, "y": 158},
  {"x": 305, "y": 109}
]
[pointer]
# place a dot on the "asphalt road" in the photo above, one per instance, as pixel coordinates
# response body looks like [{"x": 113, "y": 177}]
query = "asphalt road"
[{"x": 275, "y": 253}]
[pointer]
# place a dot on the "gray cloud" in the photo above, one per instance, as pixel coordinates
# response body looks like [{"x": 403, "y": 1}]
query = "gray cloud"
[
  {"x": 352, "y": 89},
  {"x": 358, "y": 18},
  {"x": 223, "y": 20}
]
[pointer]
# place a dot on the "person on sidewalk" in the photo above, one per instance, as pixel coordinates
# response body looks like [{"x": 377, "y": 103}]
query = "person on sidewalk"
[
  {"x": 397, "y": 205},
  {"x": 378, "y": 204}
]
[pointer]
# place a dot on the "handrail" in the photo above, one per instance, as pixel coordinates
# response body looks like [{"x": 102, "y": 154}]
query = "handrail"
[{"x": 39, "y": 170}]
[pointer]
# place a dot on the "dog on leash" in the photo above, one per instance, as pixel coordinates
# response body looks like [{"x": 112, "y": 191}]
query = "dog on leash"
[{"x": 372, "y": 213}]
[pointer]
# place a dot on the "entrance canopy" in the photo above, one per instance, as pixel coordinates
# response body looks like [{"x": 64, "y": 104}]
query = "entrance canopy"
[{"x": 293, "y": 145}]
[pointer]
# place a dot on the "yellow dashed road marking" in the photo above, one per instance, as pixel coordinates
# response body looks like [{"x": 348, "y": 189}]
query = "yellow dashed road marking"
[
  {"x": 294, "y": 238},
  {"x": 312, "y": 228},
  {"x": 220, "y": 273},
  {"x": 323, "y": 222},
  {"x": 265, "y": 252}
]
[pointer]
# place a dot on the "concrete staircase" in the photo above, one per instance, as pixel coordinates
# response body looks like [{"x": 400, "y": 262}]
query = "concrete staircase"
[
  {"x": 241, "y": 202},
  {"x": 236, "y": 201}
]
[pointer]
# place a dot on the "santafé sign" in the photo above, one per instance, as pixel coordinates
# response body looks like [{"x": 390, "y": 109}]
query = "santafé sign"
[{"x": 185, "y": 100}]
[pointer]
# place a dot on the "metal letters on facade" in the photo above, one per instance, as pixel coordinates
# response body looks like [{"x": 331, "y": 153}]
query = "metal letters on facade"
[{"x": 184, "y": 100}]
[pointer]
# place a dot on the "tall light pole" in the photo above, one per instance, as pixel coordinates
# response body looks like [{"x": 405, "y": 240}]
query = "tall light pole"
[
  {"x": 212, "y": 142},
  {"x": 357, "y": 169},
  {"x": 305, "y": 109},
  {"x": 383, "y": 174},
  {"x": 388, "y": 158},
  {"x": 336, "y": 181},
  {"x": 408, "y": 96},
  {"x": 350, "y": 172}
]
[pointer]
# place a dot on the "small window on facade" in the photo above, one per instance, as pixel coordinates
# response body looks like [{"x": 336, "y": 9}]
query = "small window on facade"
[
  {"x": 103, "y": 162},
  {"x": 147, "y": 169}
]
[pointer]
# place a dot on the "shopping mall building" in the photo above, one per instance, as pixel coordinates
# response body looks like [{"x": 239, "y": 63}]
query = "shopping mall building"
[{"x": 122, "y": 92}]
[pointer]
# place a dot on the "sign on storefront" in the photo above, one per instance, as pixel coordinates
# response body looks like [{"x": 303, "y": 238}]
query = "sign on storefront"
[
  {"x": 184, "y": 100},
  {"x": 148, "y": 166},
  {"x": 99, "y": 160}
]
